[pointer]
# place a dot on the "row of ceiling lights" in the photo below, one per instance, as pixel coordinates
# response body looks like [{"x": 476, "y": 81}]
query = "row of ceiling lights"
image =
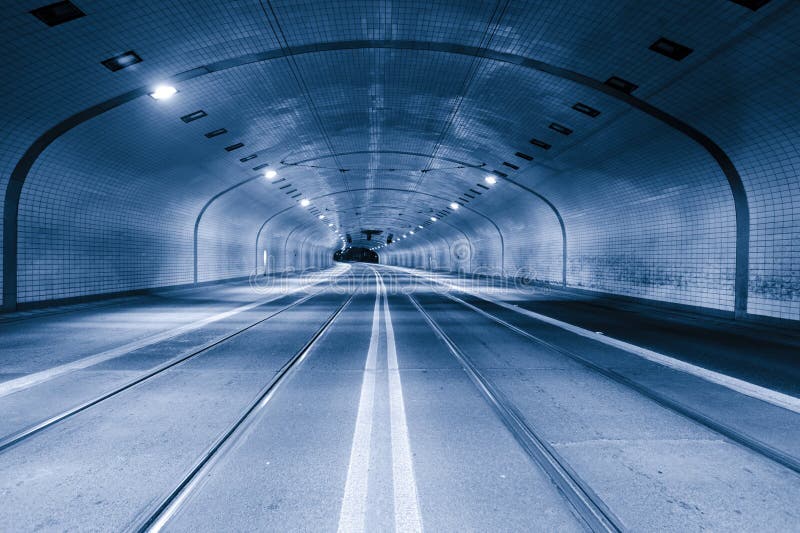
[
  {"x": 454, "y": 206},
  {"x": 64, "y": 11},
  {"x": 165, "y": 92},
  {"x": 663, "y": 46}
]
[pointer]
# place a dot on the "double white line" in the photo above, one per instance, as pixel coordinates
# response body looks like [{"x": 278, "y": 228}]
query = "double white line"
[{"x": 354, "y": 505}]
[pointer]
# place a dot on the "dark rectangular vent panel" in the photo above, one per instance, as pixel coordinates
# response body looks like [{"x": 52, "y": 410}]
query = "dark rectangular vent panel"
[
  {"x": 194, "y": 116},
  {"x": 526, "y": 157},
  {"x": 121, "y": 61},
  {"x": 563, "y": 130},
  {"x": 469, "y": 195},
  {"x": 285, "y": 186},
  {"x": 291, "y": 192},
  {"x": 248, "y": 158},
  {"x": 259, "y": 167},
  {"x": 670, "y": 49},
  {"x": 298, "y": 195},
  {"x": 58, "y": 13},
  {"x": 475, "y": 192},
  {"x": 280, "y": 180},
  {"x": 463, "y": 200},
  {"x": 621, "y": 85},
  {"x": 541, "y": 144},
  {"x": 233, "y": 147},
  {"x": 499, "y": 174},
  {"x": 510, "y": 165},
  {"x": 216, "y": 133},
  {"x": 586, "y": 110},
  {"x": 753, "y": 5},
  {"x": 482, "y": 186}
]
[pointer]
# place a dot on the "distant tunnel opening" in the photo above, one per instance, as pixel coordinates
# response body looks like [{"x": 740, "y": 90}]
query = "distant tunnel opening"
[{"x": 356, "y": 254}]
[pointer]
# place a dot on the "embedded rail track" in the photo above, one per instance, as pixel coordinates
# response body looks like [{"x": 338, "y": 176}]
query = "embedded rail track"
[
  {"x": 584, "y": 501},
  {"x": 753, "y": 444},
  {"x": 761, "y": 448},
  {"x": 158, "y": 515},
  {"x": 17, "y": 437}
]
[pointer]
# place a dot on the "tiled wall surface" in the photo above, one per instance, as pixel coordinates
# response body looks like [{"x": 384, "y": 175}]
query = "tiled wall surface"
[{"x": 111, "y": 205}]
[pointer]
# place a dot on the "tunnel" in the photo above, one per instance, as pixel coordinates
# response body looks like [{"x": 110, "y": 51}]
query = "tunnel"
[
  {"x": 357, "y": 255},
  {"x": 400, "y": 265}
]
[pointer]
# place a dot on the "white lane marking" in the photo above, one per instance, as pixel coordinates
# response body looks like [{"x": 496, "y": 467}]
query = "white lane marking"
[
  {"x": 354, "y": 503},
  {"x": 778, "y": 399},
  {"x": 29, "y": 380},
  {"x": 406, "y": 505},
  {"x": 234, "y": 440}
]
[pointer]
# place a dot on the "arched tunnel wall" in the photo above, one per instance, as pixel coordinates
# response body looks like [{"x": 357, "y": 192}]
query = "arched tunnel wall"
[{"x": 647, "y": 211}]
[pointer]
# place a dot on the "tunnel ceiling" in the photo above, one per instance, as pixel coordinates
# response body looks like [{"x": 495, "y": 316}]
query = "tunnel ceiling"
[{"x": 383, "y": 113}]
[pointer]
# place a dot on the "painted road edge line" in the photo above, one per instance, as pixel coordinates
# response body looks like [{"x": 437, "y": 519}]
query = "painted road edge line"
[
  {"x": 30, "y": 380},
  {"x": 776, "y": 398}
]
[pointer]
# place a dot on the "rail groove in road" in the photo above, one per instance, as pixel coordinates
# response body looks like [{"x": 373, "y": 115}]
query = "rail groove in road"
[
  {"x": 27, "y": 381},
  {"x": 741, "y": 386},
  {"x": 17, "y": 437},
  {"x": 738, "y": 437},
  {"x": 155, "y": 519},
  {"x": 588, "y": 505}
]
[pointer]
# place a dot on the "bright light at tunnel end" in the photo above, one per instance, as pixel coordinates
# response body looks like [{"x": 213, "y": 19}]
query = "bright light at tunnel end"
[{"x": 162, "y": 92}]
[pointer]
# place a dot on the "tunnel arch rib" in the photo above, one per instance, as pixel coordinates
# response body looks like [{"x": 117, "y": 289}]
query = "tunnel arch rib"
[
  {"x": 334, "y": 193},
  {"x": 24, "y": 165}
]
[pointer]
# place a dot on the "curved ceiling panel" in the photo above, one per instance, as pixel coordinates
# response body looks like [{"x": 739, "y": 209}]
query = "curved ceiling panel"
[{"x": 380, "y": 115}]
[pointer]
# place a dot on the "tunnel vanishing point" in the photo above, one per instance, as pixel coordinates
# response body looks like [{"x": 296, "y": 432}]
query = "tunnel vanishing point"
[{"x": 394, "y": 265}]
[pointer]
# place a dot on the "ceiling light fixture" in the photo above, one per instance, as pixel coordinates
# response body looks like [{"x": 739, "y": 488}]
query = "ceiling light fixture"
[
  {"x": 215, "y": 133},
  {"x": 305, "y": 202},
  {"x": 163, "y": 92},
  {"x": 434, "y": 219},
  {"x": 270, "y": 174},
  {"x": 491, "y": 180},
  {"x": 58, "y": 13},
  {"x": 670, "y": 49},
  {"x": 454, "y": 206},
  {"x": 621, "y": 85},
  {"x": 121, "y": 61},
  {"x": 321, "y": 217}
]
